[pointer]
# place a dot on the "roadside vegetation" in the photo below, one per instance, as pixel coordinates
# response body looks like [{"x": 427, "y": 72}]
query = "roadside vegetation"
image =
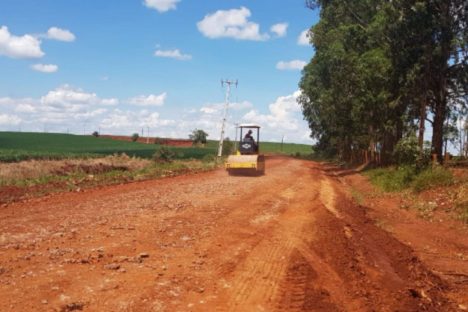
[
  {"x": 37, "y": 177},
  {"x": 18, "y": 146},
  {"x": 33, "y": 164},
  {"x": 418, "y": 180},
  {"x": 396, "y": 179},
  {"x": 381, "y": 71}
]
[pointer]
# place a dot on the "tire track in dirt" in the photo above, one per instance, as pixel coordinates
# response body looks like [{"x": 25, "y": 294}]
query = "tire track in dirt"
[
  {"x": 282, "y": 272},
  {"x": 257, "y": 280}
]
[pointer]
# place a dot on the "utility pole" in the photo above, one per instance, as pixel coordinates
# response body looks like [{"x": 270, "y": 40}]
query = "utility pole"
[
  {"x": 147, "y": 133},
  {"x": 235, "y": 139},
  {"x": 226, "y": 106}
]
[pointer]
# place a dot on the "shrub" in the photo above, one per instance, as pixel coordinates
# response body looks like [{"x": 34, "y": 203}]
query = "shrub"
[
  {"x": 392, "y": 179},
  {"x": 228, "y": 147},
  {"x": 198, "y": 136},
  {"x": 95, "y": 134},
  {"x": 209, "y": 158},
  {"x": 406, "y": 150},
  {"x": 432, "y": 177},
  {"x": 164, "y": 154},
  {"x": 407, "y": 153},
  {"x": 135, "y": 137}
]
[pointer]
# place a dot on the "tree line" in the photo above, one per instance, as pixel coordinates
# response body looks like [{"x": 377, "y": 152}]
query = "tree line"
[{"x": 381, "y": 70}]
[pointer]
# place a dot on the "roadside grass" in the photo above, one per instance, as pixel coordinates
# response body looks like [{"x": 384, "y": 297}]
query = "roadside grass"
[
  {"x": 34, "y": 164},
  {"x": 438, "y": 181},
  {"x": 430, "y": 178},
  {"x": 19, "y": 146},
  {"x": 75, "y": 172},
  {"x": 357, "y": 195},
  {"x": 75, "y": 175},
  {"x": 35, "y": 169},
  {"x": 393, "y": 179}
]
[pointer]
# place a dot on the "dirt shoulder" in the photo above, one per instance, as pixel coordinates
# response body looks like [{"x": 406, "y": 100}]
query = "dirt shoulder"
[
  {"x": 33, "y": 178},
  {"x": 292, "y": 240},
  {"x": 438, "y": 238}
]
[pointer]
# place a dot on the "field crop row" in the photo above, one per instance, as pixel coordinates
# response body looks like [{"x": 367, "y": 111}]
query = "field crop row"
[{"x": 18, "y": 146}]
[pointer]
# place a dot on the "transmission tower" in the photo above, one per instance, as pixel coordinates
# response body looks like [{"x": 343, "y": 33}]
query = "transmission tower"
[{"x": 228, "y": 84}]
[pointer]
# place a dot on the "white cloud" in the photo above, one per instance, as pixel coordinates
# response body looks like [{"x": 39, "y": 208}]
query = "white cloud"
[
  {"x": 291, "y": 65},
  {"x": 9, "y": 120},
  {"x": 218, "y": 107},
  {"x": 66, "y": 108},
  {"x": 73, "y": 99},
  {"x": 175, "y": 54},
  {"x": 161, "y": 5},
  {"x": 241, "y": 105},
  {"x": 304, "y": 38},
  {"x": 11, "y": 102},
  {"x": 283, "y": 118},
  {"x": 62, "y": 107},
  {"x": 6, "y": 101},
  {"x": 149, "y": 100},
  {"x": 25, "y": 105},
  {"x": 210, "y": 109},
  {"x": 45, "y": 68},
  {"x": 59, "y": 34},
  {"x": 109, "y": 102},
  {"x": 25, "y": 46},
  {"x": 231, "y": 24},
  {"x": 25, "y": 108},
  {"x": 129, "y": 121},
  {"x": 280, "y": 29}
]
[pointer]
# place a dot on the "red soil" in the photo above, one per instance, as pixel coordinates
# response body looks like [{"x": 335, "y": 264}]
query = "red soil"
[{"x": 291, "y": 240}]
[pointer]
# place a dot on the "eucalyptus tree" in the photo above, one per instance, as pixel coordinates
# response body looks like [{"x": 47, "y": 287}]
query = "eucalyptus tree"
[{"x": 381, "y": 65}]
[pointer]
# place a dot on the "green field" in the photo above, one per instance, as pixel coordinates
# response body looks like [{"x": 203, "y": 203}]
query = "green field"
[
  {"x": 287, "y": 148},
  {"x": 17, "y": 146}
]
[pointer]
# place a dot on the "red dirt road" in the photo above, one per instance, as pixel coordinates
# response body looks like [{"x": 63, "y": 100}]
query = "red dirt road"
[{"x": 292, "y": 240}]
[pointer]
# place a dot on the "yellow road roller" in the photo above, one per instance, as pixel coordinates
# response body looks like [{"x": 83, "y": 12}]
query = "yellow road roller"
[{"x": 247, "y": 159}]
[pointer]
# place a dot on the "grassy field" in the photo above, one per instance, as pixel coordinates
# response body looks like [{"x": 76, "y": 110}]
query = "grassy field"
[
  {"x": 286, "y": 148},
  {"x": 17, "y": 146},
  {"x": 274, "y": 148}
]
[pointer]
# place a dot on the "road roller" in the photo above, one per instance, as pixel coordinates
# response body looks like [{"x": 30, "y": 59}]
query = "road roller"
[{"x": 247, "y": 159}]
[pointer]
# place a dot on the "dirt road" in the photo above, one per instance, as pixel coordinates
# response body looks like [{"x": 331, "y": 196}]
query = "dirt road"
[{"x": 292, "y": 240}]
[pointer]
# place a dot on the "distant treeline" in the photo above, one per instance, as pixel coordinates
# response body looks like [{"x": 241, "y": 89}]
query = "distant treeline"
[{"x": 383, "y": 68}]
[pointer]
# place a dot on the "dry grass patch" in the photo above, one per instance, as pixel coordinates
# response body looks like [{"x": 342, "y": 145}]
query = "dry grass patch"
[{"x": 34, "y": 169}]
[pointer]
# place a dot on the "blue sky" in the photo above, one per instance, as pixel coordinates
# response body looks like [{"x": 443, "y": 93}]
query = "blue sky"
[{"x": 118, "y": 66}]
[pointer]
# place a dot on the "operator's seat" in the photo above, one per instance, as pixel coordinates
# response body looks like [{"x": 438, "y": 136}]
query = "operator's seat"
[{"x": 248, "y": 146}]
